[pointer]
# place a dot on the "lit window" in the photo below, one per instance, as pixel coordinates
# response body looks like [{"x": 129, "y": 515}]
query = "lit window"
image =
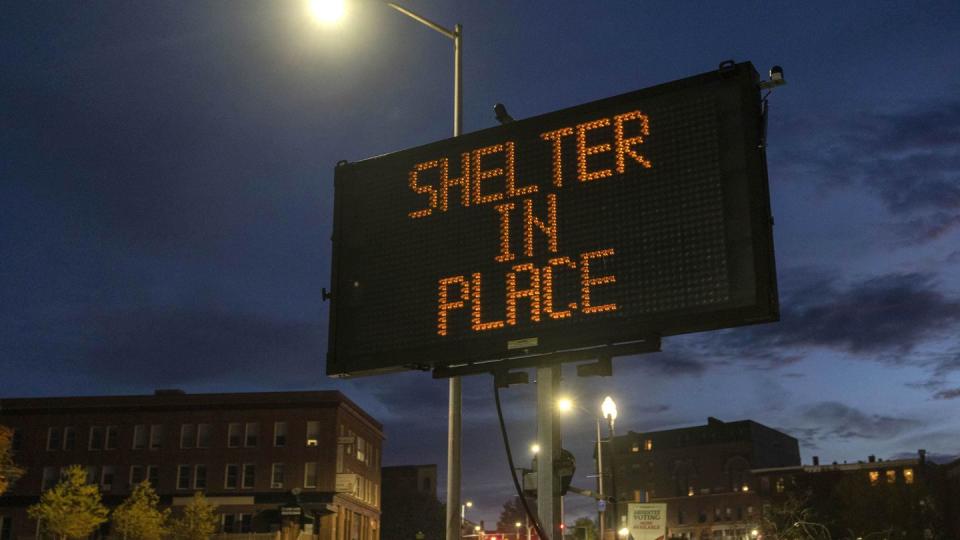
[
  {"x": 690, "y": 491},
  {"x": 908, "y": 476},
  {"x": 648, "y": 445},
  {"x": 892, "y": 476},
  {"x": 313, "y": 433},
  {"x": 874, "y": 477},
  {"x": 781, "y": 485},
  {"x": 635, "y": 448}
]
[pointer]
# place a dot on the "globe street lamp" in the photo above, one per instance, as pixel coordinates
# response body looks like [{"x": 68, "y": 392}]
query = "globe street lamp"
[
  {"x": 608, "y": 410},
  {"x": 463, "y": 513}
]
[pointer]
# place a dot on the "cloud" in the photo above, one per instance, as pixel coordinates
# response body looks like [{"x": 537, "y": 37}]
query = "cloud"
[
  {"x": 887, "y": 314},
  {"x": 909, "y": 159},
  {"x": 834, "y": 420},
  {"x": 952, "y": 393}
]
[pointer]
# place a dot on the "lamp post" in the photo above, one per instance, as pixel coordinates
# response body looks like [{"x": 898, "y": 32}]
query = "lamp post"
[
  {"x": 463, "y": 514},
  {"x": 518, "y": 525},
  {"x": 332, "y": 10},
  {"x": 609, "y": 410}
]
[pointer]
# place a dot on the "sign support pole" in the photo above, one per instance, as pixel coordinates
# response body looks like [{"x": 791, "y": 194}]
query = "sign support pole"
[{"x": 548, "y": 437}]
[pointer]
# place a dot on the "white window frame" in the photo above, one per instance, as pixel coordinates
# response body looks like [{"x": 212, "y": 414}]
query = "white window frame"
[
  {"x": 279, "y": 430},
  {"x": 230, "y": 431},
  {"x": 243, "y": 476},
  {"x": 306, "y": 470},
  {"x": 251, "y": 428},
  {"x": 186, "y": 484},
  {"x": 273, "y": 475},
  {"x": 196, "y": 476},
  {"x": 226, "y": 476}
]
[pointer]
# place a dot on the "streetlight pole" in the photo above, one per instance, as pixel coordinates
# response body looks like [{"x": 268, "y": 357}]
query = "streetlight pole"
[
  {"x": 601, "y": 513},
  {"x": 454, "y": 423},
  {"x": 609, "y": 410}
]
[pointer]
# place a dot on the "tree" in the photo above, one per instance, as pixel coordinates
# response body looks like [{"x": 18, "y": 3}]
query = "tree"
[
  {"x": 514, "y": 512},
  {"x": 138, "y": 518},
  {"x": 72, "y": 508},
  {"x": 584, "y": 529},
  {"x": 792, "y": 519},
  {"x": 198, "y": 521},
  {"x": 9, "y": 472}
]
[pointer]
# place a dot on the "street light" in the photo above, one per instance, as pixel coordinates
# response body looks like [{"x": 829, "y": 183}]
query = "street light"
[
  {"x": 328, "y": 10},
  {"x": 463, "y": 513},
  {"x": 534, "y": 448},
  {"x": 518, "y": 525},
  {"x": 609, "y": 411}
]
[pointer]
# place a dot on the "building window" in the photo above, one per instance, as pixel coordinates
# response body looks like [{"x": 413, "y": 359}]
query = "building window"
[
  {"x": 106, "y": 477},
  {"x": 156, "y": 436},
  {"x": 183, "y": 477},
  {"x": 139, "y": 437},
  {"x": 188, "y": 435},
  {"x": 244, "y": 521},
  {"x": 54, "y": 441},
  {"x": 279, "y": 434},
  {"x": 702, "y": 517},
  {"x": 50, "y": 478},
  {"x": 203, "y": 435},
  {"x": 781, "y": 485},
  {"x": 200, "y": 477},
  {"x": 361, "y": 449},
  {"x": 892, "y": 476},
  {"x": 111, "y": 441},
  {"x": 231, "y": 477},
  {"x": 136, "y": 474},
  {"x": 716, "y": 514},
  {"x": 153, "y": 476},
  {"x": 648, "y": 445},
  {"x": 679, "y": 516},
  {"x": 276, "y": 475},
  {"x": 69, "y": 438},
  {"x": 229, "y": 523},
  {"x": 310, "y": 474},
  {"x": 313, "y": 433},
  {"x": 908, "y": 476},
  {"x": 91, "y": 474},
  {"x": 636, "y": 447},
  {"x": 874, "y": 477},
  {"x": 728, "y": 514},
  {"x": 249, "y": 476},
  {"x": 96, "y": 438},
  {"x": 234, "y": 438},
  {"x": 252, "y": 433}
]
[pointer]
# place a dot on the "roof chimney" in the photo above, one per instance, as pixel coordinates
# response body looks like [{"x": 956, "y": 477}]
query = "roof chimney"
[
  {"x": 871, "y": 458},
  {"x": 923, "y": 456},
  {"x": 816, "y": 460},
  {"x": 711, "y": 421}
]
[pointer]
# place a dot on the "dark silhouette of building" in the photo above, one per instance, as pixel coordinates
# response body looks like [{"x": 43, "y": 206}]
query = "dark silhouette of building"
[
  {"x": 250, "y": 453},
  {"x": 410, "y": 504},
  {"x": 702, "y": 473},
  {"x": 901, "y": 497}
]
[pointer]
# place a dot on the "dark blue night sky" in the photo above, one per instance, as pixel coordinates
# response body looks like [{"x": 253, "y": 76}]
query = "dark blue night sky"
[{"x": 166, "y": 178}]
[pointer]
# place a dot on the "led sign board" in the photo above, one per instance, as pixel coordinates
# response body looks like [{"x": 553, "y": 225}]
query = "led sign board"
[{"x": 644, "y": 214}]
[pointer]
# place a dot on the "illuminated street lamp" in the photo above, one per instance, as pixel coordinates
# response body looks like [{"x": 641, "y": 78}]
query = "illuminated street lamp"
[
  {"x": 463, "y": 513},
  {"x": 332, "y": 11},
  {"x": 518, "y": 525},
  {"x": 534, "y": 448}
]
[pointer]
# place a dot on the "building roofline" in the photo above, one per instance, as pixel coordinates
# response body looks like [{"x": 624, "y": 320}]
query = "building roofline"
[
  {"x": 172, "y": 399},
  {"x": 841, "y": 466}
]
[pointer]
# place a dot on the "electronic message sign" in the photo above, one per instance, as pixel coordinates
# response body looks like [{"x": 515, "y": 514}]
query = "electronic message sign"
[{"x": 645, "y": 214}]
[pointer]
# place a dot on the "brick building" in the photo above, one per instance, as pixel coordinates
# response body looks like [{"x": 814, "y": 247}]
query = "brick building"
[
  {"x": 410, "y": 504},
  {"x": 250, "y": 453},
  {"x": 703, "y": 474}
]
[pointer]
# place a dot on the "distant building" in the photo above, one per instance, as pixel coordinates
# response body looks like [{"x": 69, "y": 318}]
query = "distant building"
[
  {"x": 859, "y": 496},
  {"x": 250, "y": 453},
  {"x": 410, "y": 504},
  {"x": 703, "y": 474},
  {"x": 951, "y": 496},
  {"x": 411, "y": 479}
]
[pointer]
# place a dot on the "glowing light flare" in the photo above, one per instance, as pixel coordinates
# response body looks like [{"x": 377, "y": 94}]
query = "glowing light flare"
[
  {"x": 327, "y": 11},
  {"x": 609, "y": 409},
  {"x": 564, "y": 404}
]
